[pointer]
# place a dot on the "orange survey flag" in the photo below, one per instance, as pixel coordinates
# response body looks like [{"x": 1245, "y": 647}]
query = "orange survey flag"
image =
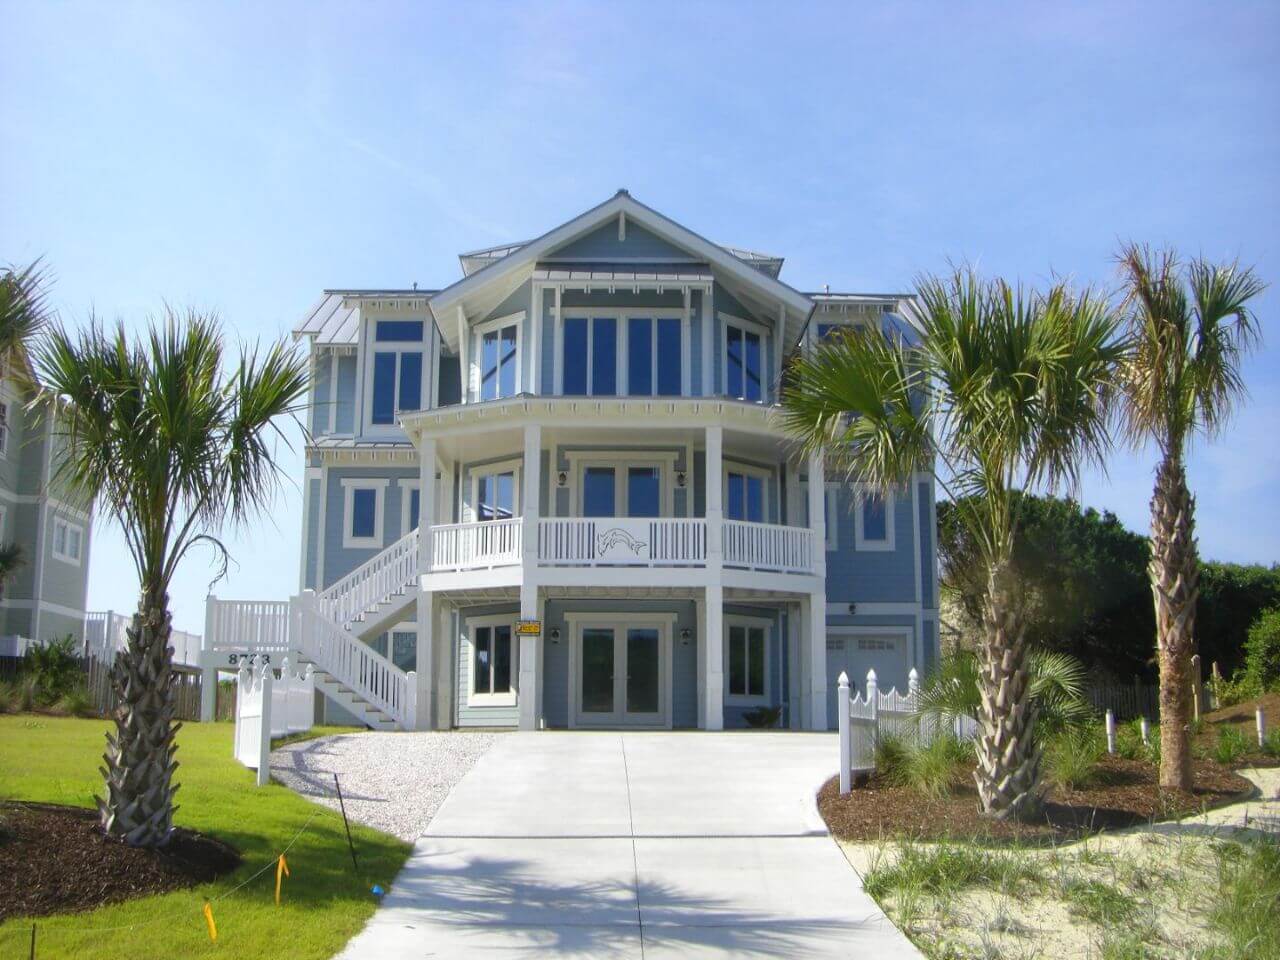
[
  {"x": 282, "y": 869},
  {"x": 208, "y": 918}
]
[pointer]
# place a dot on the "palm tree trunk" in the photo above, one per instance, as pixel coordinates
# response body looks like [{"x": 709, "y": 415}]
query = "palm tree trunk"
[
  {"x": 1175, "y": 585},
  {"x": 139, "y": 804},
  {"x": 1008, "y": 771}
]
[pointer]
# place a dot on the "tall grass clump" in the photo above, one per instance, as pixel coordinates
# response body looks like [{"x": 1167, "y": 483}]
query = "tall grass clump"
[
  {"x": 1245, "y": 913},
  {"x": 942, "y": 869},
  {"x": 1073, "y": 758},
  {"x": 1230, "y": 745}
]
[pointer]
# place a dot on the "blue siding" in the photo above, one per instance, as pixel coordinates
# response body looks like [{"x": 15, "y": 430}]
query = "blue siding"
[
  {"x": 878, "y": 576},
  {"x": 928, "y": 566},
  {"x": 339, "y": 561},
  {"x": 321, "y": 394},
  {"x": 345, "y": 417},
  {"x": 603, "y": 244},
  {"x": 311, "y": 548}
]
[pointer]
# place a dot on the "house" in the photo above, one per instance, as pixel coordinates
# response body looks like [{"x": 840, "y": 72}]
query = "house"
[
  {"x": 555, "y": 493},
  {"x": 46, "y": 596}
]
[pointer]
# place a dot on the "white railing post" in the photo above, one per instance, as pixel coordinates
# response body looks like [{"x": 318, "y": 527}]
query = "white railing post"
[
  {"x": 1260, "y": 721},
  {"x": 411, "y": 700},
  {"x": 873, "y": 700},
  {"x": 208, "y": 673},
  {"x": 1111, "y": 731},
  {"x": 842, "y": 710},
  {"x": 264, "y": 742},
  {"x": 1145, "y": 726}
]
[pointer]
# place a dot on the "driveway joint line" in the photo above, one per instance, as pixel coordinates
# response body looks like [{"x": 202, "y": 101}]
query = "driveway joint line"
[{"x": 635, "y": 863}]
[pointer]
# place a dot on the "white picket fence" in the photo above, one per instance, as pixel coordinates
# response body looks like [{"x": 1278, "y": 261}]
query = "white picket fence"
[
  {"x": 863, "y": 720},
  {"x": 267, "y": 707}
]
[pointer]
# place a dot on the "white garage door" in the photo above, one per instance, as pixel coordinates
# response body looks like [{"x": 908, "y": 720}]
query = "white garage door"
[{"x": 855, "y": 654}]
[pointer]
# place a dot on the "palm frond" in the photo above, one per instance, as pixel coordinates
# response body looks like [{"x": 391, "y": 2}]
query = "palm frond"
[{"x": 24, "y": 309}]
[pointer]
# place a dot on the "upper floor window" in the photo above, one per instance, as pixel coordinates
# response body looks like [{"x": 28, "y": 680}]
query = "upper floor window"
[
  {"x": 744, "y": 496},
  {"x": 655, "y": 354},
  {"x": 397, "y": 371},
  {"x": 494, "y": 492},
  {"x": 68, "y": 540},
  {"x": 499, "y": 358},
  {"x": 873, "y": 520},
  {"x": 743, "y": 361},
  {"x": 362, "y": 512},
  {"x": 589, "y": 360}
]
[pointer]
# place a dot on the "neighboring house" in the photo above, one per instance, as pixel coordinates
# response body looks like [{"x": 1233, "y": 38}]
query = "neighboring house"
[
  {"x": 583, "y": 431},
  {"x": 46, "y": 597}
]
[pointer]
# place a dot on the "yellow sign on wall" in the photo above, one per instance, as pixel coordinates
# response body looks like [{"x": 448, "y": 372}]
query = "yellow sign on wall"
[{"x": 529, "y": 628}]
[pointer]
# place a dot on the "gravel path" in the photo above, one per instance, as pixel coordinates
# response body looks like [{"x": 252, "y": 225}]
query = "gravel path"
[{"x": 393, "y": 782}]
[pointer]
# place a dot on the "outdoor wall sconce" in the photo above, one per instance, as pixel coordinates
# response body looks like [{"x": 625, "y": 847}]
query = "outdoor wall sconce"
[
  {"x": 682, "y": 479},
  {"x": 554, "y": 634},
  {"x": 562, "y": 479},
  {"x": 685, "y": 636},
  {"x": 853, "y": 608}
]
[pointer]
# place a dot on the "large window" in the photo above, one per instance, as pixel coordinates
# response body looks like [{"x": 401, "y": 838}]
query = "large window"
[
  {"x": 744, "y": 496},
  {"x": 362, "y": 512},
  {"x": 495, "y": 495},
  {"x": 499, "y": 359},
  {"x": 397, "y": 371},
  {"x": 492, "y": 662},
  {"x": 589, "y": 360},
  {"x": 873, "y": 520},
  {"x": 654, "y": 356},
  {"x": 747, "y": 656},
  {"x": 621, "y": 484},
  {"x": 68, "y": 540},
  {"x": 743, "y": 361}
]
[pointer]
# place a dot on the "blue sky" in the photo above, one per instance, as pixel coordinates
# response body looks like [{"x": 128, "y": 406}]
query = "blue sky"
[{"x": 241, "y": 158}]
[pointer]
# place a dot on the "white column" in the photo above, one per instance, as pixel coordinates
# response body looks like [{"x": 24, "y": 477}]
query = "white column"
[
  {"x": 817, "y": 635},
  {"x": 530, "y": 656},
  {"x": 708, "y": 362},
  {"x": 426, "y": 659},
  {"x": 713, "y": 659},
  {"x": 446, "y": 672},
  {"x": 804, "y": 658},
  {"x": 700, "y": 625},
  {"x": 794, "y": 685},
  {"x": 714, "y": 485},
  {"x": 464, "y": 355}
]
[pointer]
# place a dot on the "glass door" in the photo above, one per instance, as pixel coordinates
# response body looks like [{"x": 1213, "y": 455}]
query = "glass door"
[
  {"x": 643, "y": 687},
  {"x": 598, "y": 678},
  {"x": 620, "y": 675}
]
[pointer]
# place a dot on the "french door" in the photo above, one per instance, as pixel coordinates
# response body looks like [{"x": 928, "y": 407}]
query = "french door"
[{"x": 622, "y": 673}]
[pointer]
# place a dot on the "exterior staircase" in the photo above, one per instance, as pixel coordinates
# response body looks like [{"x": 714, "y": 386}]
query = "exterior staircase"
[{"x": 329, "y": 631}]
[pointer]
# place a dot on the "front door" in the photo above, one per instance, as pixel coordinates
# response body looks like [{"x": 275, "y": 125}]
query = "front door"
[{"x": 620, "y": 674}]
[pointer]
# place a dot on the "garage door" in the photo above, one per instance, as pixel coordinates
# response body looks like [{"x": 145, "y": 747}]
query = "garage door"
[{"x": 855, "y": 654}]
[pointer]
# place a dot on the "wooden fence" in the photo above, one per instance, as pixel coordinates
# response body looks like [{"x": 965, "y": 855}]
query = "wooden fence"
[{"x": 186, "y": 690}]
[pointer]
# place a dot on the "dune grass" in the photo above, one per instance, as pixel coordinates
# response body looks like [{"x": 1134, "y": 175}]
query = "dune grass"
[{"x": 56, "y": 759}]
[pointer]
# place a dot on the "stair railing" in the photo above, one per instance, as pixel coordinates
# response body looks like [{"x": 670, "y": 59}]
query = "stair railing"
[{"x": 375, "y": 581}]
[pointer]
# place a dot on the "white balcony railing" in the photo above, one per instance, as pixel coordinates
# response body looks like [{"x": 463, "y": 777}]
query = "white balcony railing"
[
  {"x": 247, "y": 626},
  {"x": 471, "y": 546},
  {"x": 768, "y": 546},
  {"x": 622, "y": 541}
]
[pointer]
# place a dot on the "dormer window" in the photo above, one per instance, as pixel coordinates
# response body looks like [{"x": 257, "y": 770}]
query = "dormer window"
[{"x": 397, "y": 369}]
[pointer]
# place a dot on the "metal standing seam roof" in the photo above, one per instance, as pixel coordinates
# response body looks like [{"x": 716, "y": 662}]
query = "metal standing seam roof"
[
  {"x": 332, "y": 320},
  {"x": 623, "y": 272}
]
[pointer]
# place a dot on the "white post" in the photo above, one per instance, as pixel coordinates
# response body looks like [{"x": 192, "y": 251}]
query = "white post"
[
  {"x": 873, "y": 700},
  {"x": 708, "y": 362},
  {"x": 264, "y": 743},
  {"x": 794, "y": 686},
  {"x": 818, "y": 598},
  {"x": 817, "y": 512},
  {"x": 714, "y": 483},
  {"x": 913, "y": 683},
  {"x": 531, "y": 483},
  {"x": 713, "y": 659},
  {"x": 208, "y": 675},
  {"x": 1145, "y": 727},
  {"x": 424, "y": 712},
  {"x": 1111, "y": 731},
  {"x": 842, "y": 701},
  {"x": 243, "y": 679},
  {"x": 1260, "y": 721},
  {"x": 700, "y": 620},
  {"x": 1195, "y": 687}
]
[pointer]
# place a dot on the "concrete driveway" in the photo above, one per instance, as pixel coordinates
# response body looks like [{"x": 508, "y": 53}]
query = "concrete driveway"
[{"x": 633, "y": 845}]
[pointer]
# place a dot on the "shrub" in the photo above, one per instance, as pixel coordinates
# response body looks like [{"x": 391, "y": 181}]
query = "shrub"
[
  {"x": 1230, "y": 745},
  {"x": 8, "y": 697},
  {"x": 77, "y": 703},
  {"x": 1271, "y": 742},
  {"x": 1129, "y": 743},
  {"x": 891, "y": 758},
  {"x": 52, "y": 667},
  {"x": 1262, "y": 651},
  {"x": 25, "y": 699},
  {"x": 931, "y": 769},
  {"x": 1073, "y": 758},
  {"x": 942, "y": 869},
  {"x": 763, "y": 717}
]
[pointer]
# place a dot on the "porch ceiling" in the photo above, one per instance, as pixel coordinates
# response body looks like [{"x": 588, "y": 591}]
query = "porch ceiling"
[{"x": 480, "y": 597}]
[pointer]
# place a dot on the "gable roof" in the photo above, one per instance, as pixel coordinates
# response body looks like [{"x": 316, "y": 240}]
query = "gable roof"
[{"x": 506, "y": 271}]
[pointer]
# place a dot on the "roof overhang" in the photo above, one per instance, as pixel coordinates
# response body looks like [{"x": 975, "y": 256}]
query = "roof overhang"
[{"x": 476, "y": 294}]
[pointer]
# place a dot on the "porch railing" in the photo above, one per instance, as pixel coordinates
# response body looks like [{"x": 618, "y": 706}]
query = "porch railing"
[
  {"x": 470, "y": 546},
  {"x": 624, "y": 541},
  {"x": 768, "y": 546},
  {"x": 252, "y": 626}
]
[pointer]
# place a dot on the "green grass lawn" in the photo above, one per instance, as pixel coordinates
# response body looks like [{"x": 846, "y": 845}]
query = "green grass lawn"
[{"x": 55, "y": 760}]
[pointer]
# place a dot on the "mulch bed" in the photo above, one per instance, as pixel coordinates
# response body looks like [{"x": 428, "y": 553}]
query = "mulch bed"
[
  {"x": 1127, "y": 794},
  {"x": 55, "y": 859}
]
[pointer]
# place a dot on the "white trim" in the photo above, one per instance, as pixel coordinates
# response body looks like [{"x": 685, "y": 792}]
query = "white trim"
[
  {"x": 510, "y": 698},
  {"x": 620, "y": 461},
  {"x": 665, "y": 622},
  {"x": 66, "y": 528},
  {"x": 499, "y": 323},
  {"x": 746, "y": 699},
  {"x": 379, "y": 487},
  {"x": 40, "y": 499},
  {"x": 512, "y": 465},
  {"x": 26, "y": 603},
  {"x": 728, "y": 320},
  {"x": 860, "y": 542},
  {"x": 831, "y": 495}
]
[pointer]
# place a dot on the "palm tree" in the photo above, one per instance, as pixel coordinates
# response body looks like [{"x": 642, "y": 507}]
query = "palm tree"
[
  {"x": 172, "y": 447},
  {"x": 11, "y": 558},
  {"x": 1005, "y": 389},
  {"x": 23, "y": 309},
  {"x": 1191, "y": 327}
]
